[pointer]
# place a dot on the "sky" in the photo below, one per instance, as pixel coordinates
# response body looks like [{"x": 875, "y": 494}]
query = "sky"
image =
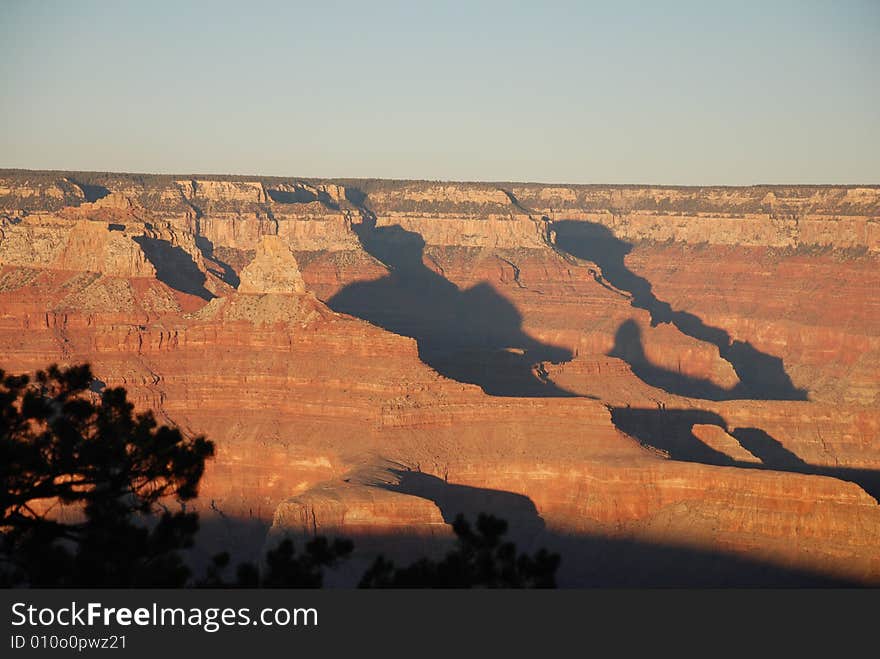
[{"x": 676, "y": 93}]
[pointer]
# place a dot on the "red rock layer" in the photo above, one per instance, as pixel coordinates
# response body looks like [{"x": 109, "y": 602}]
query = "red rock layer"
[{"x": 647, "y": 437}]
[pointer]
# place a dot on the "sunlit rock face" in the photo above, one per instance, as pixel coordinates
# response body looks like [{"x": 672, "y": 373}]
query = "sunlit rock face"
[
  {"x": 273, "y": 270},
  {"x": 666, "y": 385}
]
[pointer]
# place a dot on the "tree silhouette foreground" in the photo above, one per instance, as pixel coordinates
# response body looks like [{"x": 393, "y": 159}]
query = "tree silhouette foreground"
[
  {"x": 117, "y": 470},
  {"x": 57, "y": 445},
  {"x": 481, "y": 559},
  {"x": 283, "y": 567}
]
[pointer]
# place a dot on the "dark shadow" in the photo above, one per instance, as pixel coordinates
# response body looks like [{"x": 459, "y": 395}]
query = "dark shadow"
[
  {"x": 775, "y": 456},
  {"x": 243, "y": 538},
  {"x": 599, "y": 561},
  {"x": 302, "y": 196},
  {"x": 628, "y": 347},
  {"x": 91, "y": 192},
  {"x": 115, "y": 227},
  {"x": 761, "y": 376},
  {"x": 671, "y": 431},
  {"x": 357, "y": 198},
  {"x": 174, "y": 267},
  {"x": 588, "y": 560},
  {"x": 473, "y": 335},
  {"x": 770, "y": 451},
  {"x": 519, "y": 511},
  {"x": 225, "y": 271},
  {"x": 596, "y": 561},
  {"x": 514, "y": 201}
]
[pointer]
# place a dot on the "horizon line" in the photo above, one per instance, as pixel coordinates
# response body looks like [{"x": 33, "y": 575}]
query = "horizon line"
[{"x": 259, "y": 177}]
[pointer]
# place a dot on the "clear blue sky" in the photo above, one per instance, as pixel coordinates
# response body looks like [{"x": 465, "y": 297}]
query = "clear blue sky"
[{"x": 706, "y": 92}]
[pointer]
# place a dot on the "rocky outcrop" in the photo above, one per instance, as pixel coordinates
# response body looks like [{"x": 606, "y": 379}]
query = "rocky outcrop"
[
  {"x": 92, "y": 247},
  {"x": 273, "y": 270},
  {"x": 718, "y": 439},
  {"x": 232, "y": 193},
  {"x": 78, "y": 246},
  {"x": 271, "y": 290}
]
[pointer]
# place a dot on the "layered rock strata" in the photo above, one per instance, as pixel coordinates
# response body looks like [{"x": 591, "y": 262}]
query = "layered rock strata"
[{"x": 667, "y": 385}]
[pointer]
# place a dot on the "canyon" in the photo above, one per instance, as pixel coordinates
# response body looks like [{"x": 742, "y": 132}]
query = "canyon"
[{"x": 666, "y": 385}]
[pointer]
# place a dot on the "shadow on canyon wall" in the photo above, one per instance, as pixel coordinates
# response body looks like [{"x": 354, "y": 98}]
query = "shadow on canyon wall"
[
  {"x": 244, "y": 538},
  {"x": 92, "y": 193},
  {"x": 628, "y": 346},
  {"x": 226, "y": 272},
  {"x": 600, "y": 561},
  {"x": 174, "y": 266},
  {"x": 473, "y": 335},
  {"x": 761, "y": 376},
  {"x": 453, "y": 500},
  {"x": 597, "y": 561},
  {"x": 302, "y": 196},
  {"x": 588, "y": 560},
  {"x": 671, "y": 430}
]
